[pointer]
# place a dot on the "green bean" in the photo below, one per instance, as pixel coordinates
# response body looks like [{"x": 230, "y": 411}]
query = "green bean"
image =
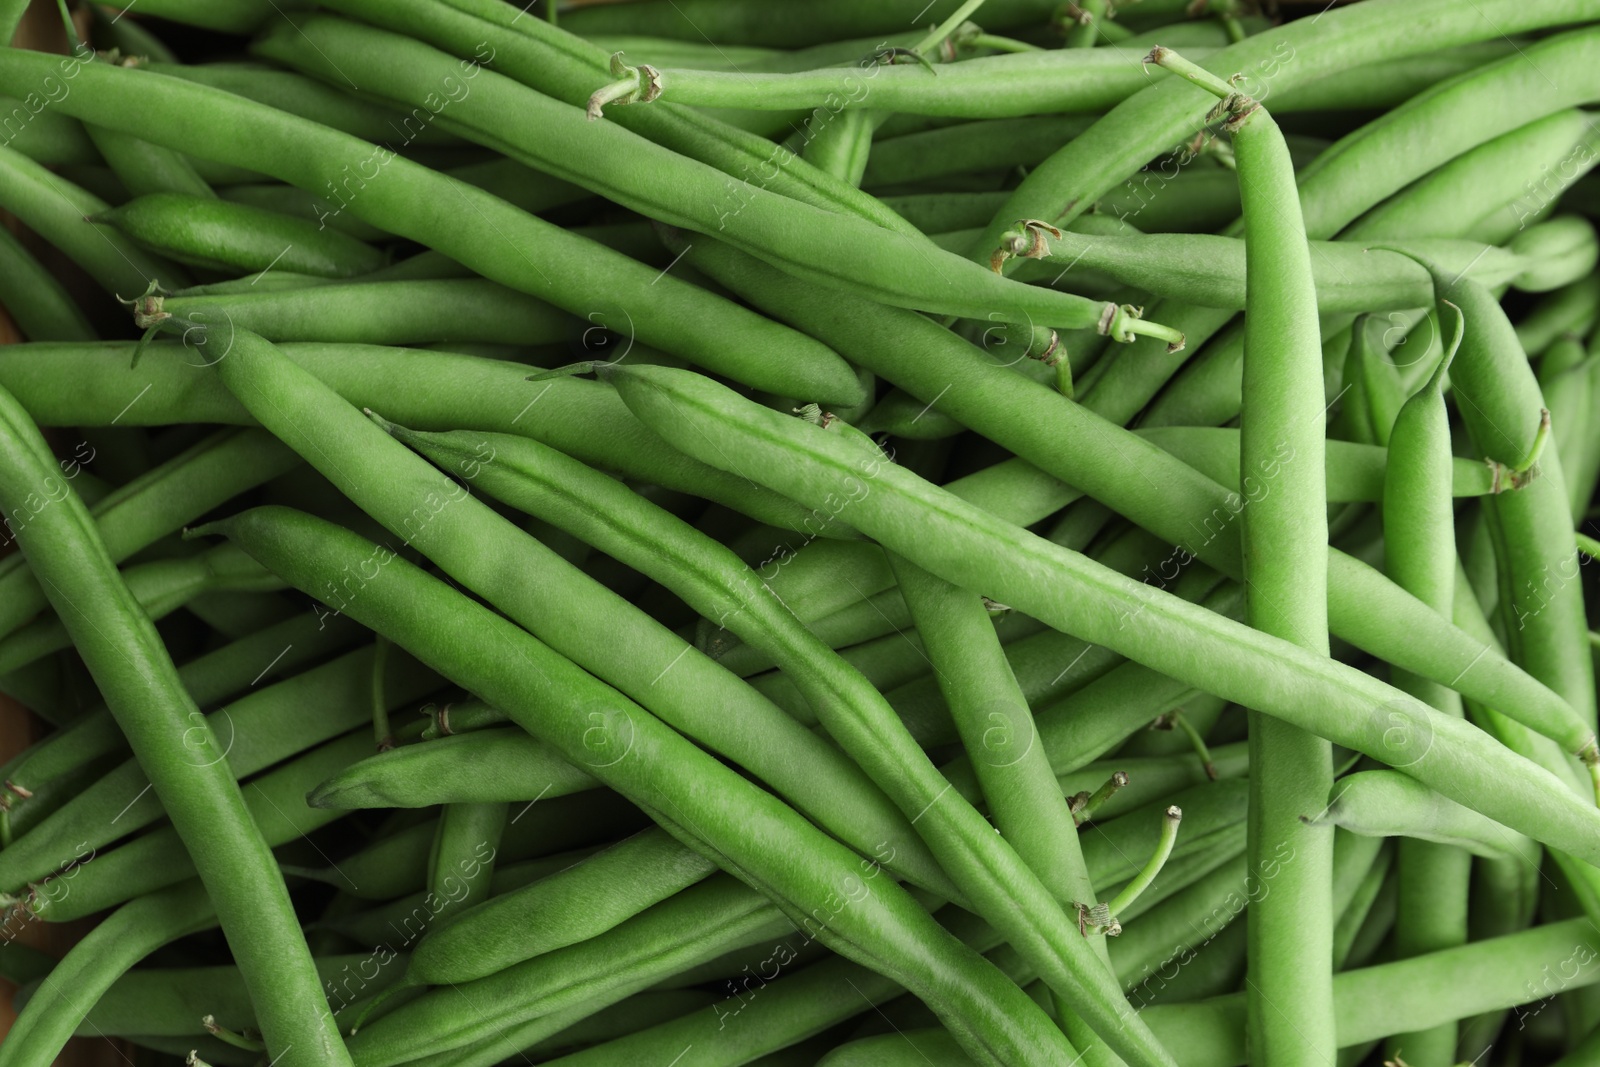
[
  {"x": 996, "y": 144},
  {"x": 1149, "y": 625},
  {"x": 465, "y": 847},
  {"x": 261, "y": 729},
  {"x": 1388, "y": 804},
  {"x": 482, "y": 232},
  {"x": 875, "y": 615},
  {"x": 1368, "y": 919},
  {"x": 54, "y": 209},
  {"x": 231, "y": 16},
  {"x": 581, "y": 902},
  {"x": 495, "y": 663},
  {"x": 132, "y": 669},
  {"x": 79, "y": 385},
  {"x": 1562, "y": 249},
  {"x": 839, "y": 250},
  {"x": 384, "y": 313},
  {"x": 1209, "y": 270},
  {"x": 1571, "y": 395},
  {"x": 296, "y": 642},
  {"x": 1383, "y": 85},
  {"x": 476, "y": 767},
  {"x": 1355, "y": 471},
  {"x": 1114, "y": 466},
  {"x": 287, "y": 200},
  {"x": 436, "y": 515},
  {"x": 747, "y": 23},
  {"x": 67, "y": 993},
  {"x": 1133, "y": 376},
  {"x": 40, "y": 306},
  {"x": 722, "y": 589},
  {"x": 1494, "y": 172},
  {"x": 1284, "y": 537},
  {"x": 222, "y": 235},
  {"x": 151, "y": 506},
  {"x": 459, "y": 717},
  {"x": 1297, "y": 53}
]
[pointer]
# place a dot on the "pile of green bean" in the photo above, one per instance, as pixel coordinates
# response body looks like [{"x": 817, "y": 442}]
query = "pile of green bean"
[{"x": 710, "y": 532}]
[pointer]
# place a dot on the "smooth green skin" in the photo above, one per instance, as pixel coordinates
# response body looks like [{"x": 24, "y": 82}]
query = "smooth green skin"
[
  {"x": 1372, "y": 391},
  {"x": 478, "y": 230},
  {"x": 579, "y": 618},
  {"x": 1209, "y": 270},
  {"x": 38, "y": 131},
  {"x": 685, "y": 789},
  {"x": 1355, "y": 473},
  {"x": 1284, "y": 536},
  {"x": 965, "y": 148},
  {"x": 307, "y": 98},
  {"x": 1147, "y": 625},
  {"x": 229, "y": 16},
  {"x": 221, "y": 235},
  {"x": 465, "y": 847},
  {"x": 747, "y": 23},
  {"x": 155, "y": 504},
  {"x": 1389, "y": 153},
  {"x": 1562, "y": 249},
  {"x": 1571, "y": 396},
  {"x": 1164, "y": 116},
  {"x": 476, "y": 767},
  {"x": 159, "y": 588},
  {"x": 840, "y": 251},
  {"x": 1139, "y": 480},
  {"x": 842, "y": 146},
  {"x": 105, "y": 954},
  {"x": 1419, "y": 554},
  {"x": 79, "y": 385},
  {"x": 275, "y": 802},
  {"x": 386, "y": 313},
  {"x": 1048, "y": 82},
  {"x": 130, "y": 665},
  {"x": 1563, "y": 142},
  {"x": 54, "y": 208},
  {"x": 280, "y": 649},
  {"x": 573, "y": 905},
  {"x": 35, "y": 299},
  {"x": 720, "y": 588},
  {"x": 257, "y": 731},
  {"x": 144, "y": 168},
  {"x": 287, "y": 200}
]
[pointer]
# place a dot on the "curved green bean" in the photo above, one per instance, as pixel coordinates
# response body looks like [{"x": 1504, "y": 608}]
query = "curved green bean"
[
  {"x": 477, "y": 767},
  {"x": 35, "y": 300}
]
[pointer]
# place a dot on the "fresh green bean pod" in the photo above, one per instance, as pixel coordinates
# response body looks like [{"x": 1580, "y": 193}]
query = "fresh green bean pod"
[
  {"x": 583, "y": 901},
  {"x": 471, "y": 768},
  {"x": 1148, "y": 625},
  {"x": 94, "y": 385},
  {"x": 466, "y": 844},
  {"x": 1562, "y": 250},
  {"x": 55, "y": 209},
  {"x": 35, "y": 300},
  {"x": 132, "y": 932},
  {"x": 1389, "y": 804},
  {"x": 967, "y": 148},
  {"x": 1572, "y": 309},
  {"x": 384, "y": 313},
  {"x": 666, "y": 313},
  {"x": 228, "y": 16},
  {"x": 1116, "y": 467},
  {"x": 1209, "y": 270},
  {"x": 435, "y": 515},
  {"x": 1048, "y": 82},
  {"x": 287, "y": 200},
  {"x": 841, "y": 251},
  {"x": 1163, "y": 118},
  {"x": 655, "y": 769},
  {"x": 222, "y": 235},
  {"x": 1571, "y": 396},
  {"x": 29, "y": 124},
  {"x": 1496, "y": 172},
  {"x": 264, "y": 728}
]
